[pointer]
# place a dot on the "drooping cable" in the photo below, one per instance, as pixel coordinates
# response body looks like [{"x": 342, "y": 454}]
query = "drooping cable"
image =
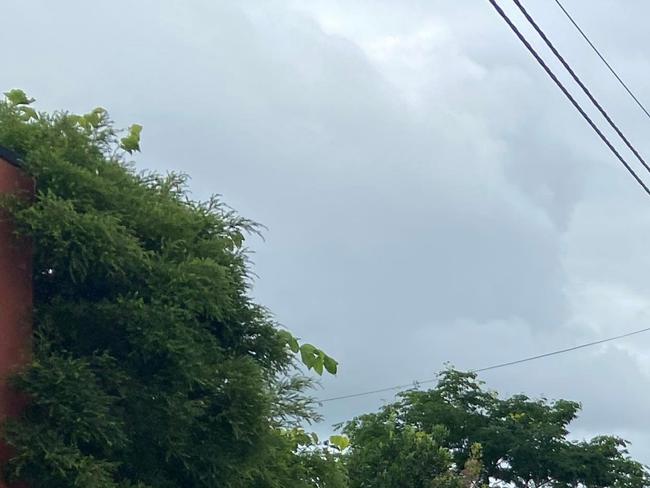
[
  {"x": 488, "y": 368},
  {"x": 566, "y": 93},
  {"x": 602, "y": 58},
  {"x": 577, "y": 79}
]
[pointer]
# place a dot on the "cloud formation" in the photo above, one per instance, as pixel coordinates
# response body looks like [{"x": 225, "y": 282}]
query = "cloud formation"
[{"x": 429, "y": 195}]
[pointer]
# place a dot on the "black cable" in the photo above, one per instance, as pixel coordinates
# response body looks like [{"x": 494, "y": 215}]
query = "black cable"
[
  {"x": 602, "y": 58},
  {"x": 562, "y": 351},
  {"x": 372, "y": 392},
  {"x": 577, "y": 106},
  {"x": 577, "y": 79},
  {"x": 489, "y": 368}
]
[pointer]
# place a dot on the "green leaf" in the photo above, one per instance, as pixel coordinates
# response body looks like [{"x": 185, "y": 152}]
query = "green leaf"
[
  {"x": 308, "y": 349},
  {"x": 288, "y": 338},
  {"x": 302, "y": 438},
  {"x": 18, "y": 97},
  {"x": 96, "y": 118},
  {"x": 308, "y": 355},
  {"x": 339, "y": 441},
  {"x": 331, "y": 365},
  {"x": 131, "y": 142},
  {"x": 318, "y": 365},
  {"x": 29, "y": 113},
  {"x": 285, "y": 336}
]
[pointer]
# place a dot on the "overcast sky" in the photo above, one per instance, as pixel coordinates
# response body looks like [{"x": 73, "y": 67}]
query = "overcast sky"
[{"x": 429, "y": 195}]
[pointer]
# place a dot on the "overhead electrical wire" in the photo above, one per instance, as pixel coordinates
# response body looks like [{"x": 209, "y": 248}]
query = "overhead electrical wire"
[
  {"x": 566, "y": 93},
  {"x": 577, "y": 79},
  {"x": 602, "y": 57},
  {"x": 487, "y": 368}
]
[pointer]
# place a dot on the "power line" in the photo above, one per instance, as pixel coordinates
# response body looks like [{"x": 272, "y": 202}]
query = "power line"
[
  {"x": 577, "y": 79},
  {"x": 586, "y": 38},
  {"x": 489, "y": 368},
  {"x": 566, "y": 93},
  {"x": 562, "y": 351}
]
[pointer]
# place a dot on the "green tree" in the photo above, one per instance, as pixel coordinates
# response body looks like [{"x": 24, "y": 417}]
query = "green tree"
[
  {"x": 152, "y": 365},
  {"x": 386, "y": 452},
  {"x": 523, "y": 442}
]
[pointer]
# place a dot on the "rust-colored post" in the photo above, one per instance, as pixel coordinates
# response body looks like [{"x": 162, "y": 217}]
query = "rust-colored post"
[{"x": 15, "y": 294}]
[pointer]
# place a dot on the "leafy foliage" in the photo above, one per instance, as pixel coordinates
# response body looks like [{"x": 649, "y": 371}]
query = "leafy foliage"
[
  {"x": 428, "y": 435},
  {"x": 131, "y": 142},
  {"x": 18, "y": 97},
  {"x": 312, "y": 357},
  {"x": 386, "y": 452},
  {"x": 152, "y": 365}
]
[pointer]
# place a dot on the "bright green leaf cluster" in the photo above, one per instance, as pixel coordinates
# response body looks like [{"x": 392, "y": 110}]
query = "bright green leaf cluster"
[
  {"x": 310, "y": 355},
  {"x": 131, "y": 142},
  {"x": 18, "y": 97},
  {"x": 20, "y": 101},
  {"x": 340, "y": 442}
]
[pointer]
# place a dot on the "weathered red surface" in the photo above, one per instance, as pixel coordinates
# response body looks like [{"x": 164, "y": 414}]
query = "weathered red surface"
[{"x": 15, "y": 298}]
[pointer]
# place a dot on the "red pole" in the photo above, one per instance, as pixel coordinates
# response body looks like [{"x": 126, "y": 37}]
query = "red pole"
[{"x": 15, "y": 295}]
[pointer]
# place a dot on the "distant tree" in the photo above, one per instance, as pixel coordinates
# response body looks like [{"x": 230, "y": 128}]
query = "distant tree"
[
  {"x": 152, "y": 365},
  {"x": 387, "y": 452},
  {"x": 418, "y": 440}
]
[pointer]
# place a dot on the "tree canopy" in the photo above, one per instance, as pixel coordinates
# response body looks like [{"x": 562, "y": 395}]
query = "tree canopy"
[
  {"x": 152, "y": 365},
  {"x": 522, "y": 442}
]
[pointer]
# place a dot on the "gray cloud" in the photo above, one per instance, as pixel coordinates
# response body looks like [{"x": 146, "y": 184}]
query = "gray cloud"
[{"x": 430, "y": 197}]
